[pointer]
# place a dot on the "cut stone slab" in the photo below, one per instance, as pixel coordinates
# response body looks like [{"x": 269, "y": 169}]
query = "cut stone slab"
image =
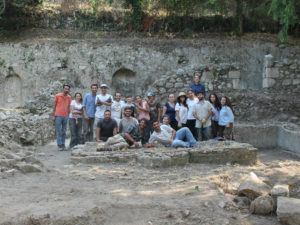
[
  {"x": 263, "y": 205},
  {"x": 253, "y": 187},
  {"x": 288, "y": 210},
  {"x": 280, "y": 190},
  {"x": 205, "y": 152},
  {"x": 223, "y": 152}
]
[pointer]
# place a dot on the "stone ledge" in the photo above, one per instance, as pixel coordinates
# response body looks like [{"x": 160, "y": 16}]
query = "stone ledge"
[{"x": 206, "y": 152}]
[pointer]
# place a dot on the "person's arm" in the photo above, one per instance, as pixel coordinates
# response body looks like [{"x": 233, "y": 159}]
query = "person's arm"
[
  {"x": 195, "y": 113},
  {"x": 177, "y": 115},
  {"x": 108, "y": 102},
  {"x": 115, "y": 131},
  {"x": 231, "y": 117},
  {"x": 173, "y": 136},
  {"x": 98, "y": 130},
  {"x": 209, "y": 114},
  {"x": 120, "y": 127},
  {"x": 127, "y": 135},
  {"x": 146, "y": 109},
  {"x": 54, "y": 107},
  {"x": 159, "y": 112}
]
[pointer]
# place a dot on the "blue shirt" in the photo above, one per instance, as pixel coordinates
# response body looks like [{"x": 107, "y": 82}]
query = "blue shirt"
[
  {"x": 170, "y": 111},
  {"x": 226, "y": 116},
  {"x": 198, "y": 87},
  {"x": 89, "y": 105}
]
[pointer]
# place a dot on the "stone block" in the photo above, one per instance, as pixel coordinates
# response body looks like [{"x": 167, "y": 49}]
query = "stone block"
[
  {"x": 263, "y": 205},
  {"x": 234, "y": 74},
  {"x": 235, "y": 83},
  {"x": 178, "y": 85},
  {"x": 207, "y": 76},
  {"x": 296, "y": 81},
  {"x": 268, "y": 82},
  {"x": 280, "y": 190},
  {"x": 288, "y": 210},
  {"x": 223, "y": 152},
  {"x": 287, "y": 82},
  {"x": 268, "y": 60},
  {"x": 271, "y": 73},
  {"x": 253, "y": 187},
  {"x": 289, "y": 138}
]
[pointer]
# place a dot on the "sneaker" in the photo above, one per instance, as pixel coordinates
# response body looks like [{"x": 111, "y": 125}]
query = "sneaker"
[
  {"x": 60, "y": 148},
  {"x": 63, "y": 147}
]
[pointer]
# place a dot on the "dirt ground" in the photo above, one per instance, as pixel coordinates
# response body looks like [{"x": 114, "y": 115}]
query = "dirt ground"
[{"x": 129, "y": 194}]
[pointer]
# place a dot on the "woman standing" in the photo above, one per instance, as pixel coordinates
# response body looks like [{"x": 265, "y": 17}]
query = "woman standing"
[
  {"x": 169, "y": 109},
  {"x": 191, "y": 120},
  {"x": 226, "y": 119},
  {"x": 216, "y": 107},
  {"x": 75, "y": 121},
  {"x": 181, "y": 109},
  {"x": 142, "y": 108}
]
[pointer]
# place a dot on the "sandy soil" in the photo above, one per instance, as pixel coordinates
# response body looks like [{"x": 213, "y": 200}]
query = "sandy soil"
[{"x": 129, "y": 194}]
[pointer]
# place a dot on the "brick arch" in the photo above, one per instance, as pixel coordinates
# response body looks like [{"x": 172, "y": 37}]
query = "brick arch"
[{"x": 124, "y": 81}]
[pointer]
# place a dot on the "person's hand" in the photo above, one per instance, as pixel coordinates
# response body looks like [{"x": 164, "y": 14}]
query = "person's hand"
[
  {"x": 179, "y": 125},
  {"x": 53, "y": 118},
  {"x": 99, "y": 140},
  {"x": 203, "y": 121},
  {"x": 228, "y": 125},
  {"x": 86, "y": 117},
  {"x": 136, "y": 144},
  {"x": 171, "y": 141}
]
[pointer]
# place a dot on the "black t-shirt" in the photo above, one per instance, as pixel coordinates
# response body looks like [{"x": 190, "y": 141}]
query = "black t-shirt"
[
  {"x": 154, "y": 110},
  {"x": 107, "y": 127}
]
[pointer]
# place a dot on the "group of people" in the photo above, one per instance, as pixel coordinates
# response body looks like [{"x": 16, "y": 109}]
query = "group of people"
[{"x": 185, "y": 120}]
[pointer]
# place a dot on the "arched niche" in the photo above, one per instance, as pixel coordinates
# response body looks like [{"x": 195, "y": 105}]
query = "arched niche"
[
  {"x": 124, "y": 81},
  {"x": 12, "y": 91}
]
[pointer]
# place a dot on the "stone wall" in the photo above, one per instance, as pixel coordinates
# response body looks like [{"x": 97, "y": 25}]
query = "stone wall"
[{"x": 251, "y": 73}]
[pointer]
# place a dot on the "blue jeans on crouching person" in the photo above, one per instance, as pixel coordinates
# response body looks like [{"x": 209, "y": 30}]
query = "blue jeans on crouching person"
[
  {"x": 180, "y": 135},
  {"x": 76, "y": 132}
]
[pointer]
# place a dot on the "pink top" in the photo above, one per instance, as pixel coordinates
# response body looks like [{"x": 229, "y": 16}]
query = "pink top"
[{"x": 143, "y": 114}]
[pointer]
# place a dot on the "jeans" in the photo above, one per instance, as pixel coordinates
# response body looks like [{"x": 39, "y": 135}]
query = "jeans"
[
  {"x": 191, "y": 125},
  {"x": 203, "y": 133},
  {"x": 88, "y": 129},
  {"x": 61, "y": 126},
  {"x": 226, "y": 132},
  {"x": 180, "y": 135},
  {"x": 215, "y": 130},
  {"x": 76, "y": 132},
  {"x": 95, "y": 127}
]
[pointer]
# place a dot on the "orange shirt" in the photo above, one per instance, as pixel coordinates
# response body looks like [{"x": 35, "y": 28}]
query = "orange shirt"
[{"x": 62, "y": 104}]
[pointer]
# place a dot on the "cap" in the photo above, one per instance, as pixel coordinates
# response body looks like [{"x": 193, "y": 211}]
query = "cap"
[
  {"x": 181, "y": 94},
  {"x": 150, "y": 94},
  {"x": 103, "y": 85}
]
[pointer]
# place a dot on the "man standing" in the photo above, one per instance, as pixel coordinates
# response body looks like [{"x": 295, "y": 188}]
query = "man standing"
[
  {"x": 127, "y": 121},
  {"x": 103, "y": 102},
  {"x": 61, "y": 111},
  {"x": 167, "y": 136},
  {"x": 106, "y": 127},
  {"x": 116, "y": 108},
  {"x": 202, "y": 111},
  {"x": 155, "y": 109},
  {"x": 138, "y": 135},
  {"x": 196, "y": 87},
  {"x": 89, "y": 109}
]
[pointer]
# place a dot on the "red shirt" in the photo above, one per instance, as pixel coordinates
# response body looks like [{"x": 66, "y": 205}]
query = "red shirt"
[{"x": 62, "y": 104}]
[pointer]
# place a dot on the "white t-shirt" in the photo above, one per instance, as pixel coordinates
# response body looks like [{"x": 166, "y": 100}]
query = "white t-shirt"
[
  {"x": 191, "y": 104},
  {"x": 183, "y": 111},
  {"x": 101, "y": 109},
  {"x": 77, "y": 107},
  {"x": 116, "y": 109},
  {"x": 163, "y": 137},
  {"x": 202, "y": 109}
]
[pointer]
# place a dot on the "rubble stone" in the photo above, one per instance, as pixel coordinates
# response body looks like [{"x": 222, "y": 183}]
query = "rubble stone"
[
  {"x": 288, "y": 210},
  {"x": 263, "y": 205}
]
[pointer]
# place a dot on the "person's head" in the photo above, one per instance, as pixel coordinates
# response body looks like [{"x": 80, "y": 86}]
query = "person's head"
[
  {"x": 213, "y": 99},
  {"x": 171, "y": 98},
  {"x": 200, "y": 95},
  {"x": 166, "y": 120},
  {"x": 66, "y": 88},
  {"x": 225, "y": 101},
  {"x": 78, "y": 97},
  {"x": 94, "y": 88},
  {"x": 143, "y": 123},
  {"x": 103, "y": 88},
  {"x": 191, "y": 94},
  {"x": 117, "y": 96},
  {"x": 129, "y": 99},
  {"x": 197, "y": 79},
  {"x": 181, "y": 97},
  {"x": 127, "y": 111},
  {"x": 107, "y": 115},
  {"x": 156, "y": 126},
  {"x": 138, "y": 98},
  {"x": 151, "y": 96}
]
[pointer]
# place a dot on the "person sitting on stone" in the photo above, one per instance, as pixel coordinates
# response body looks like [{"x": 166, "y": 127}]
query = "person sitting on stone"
[
  {"x": 127, "y": 121},
  {"x": 106, "y": 127},
  {"x": 167, "y": 136},
  {"x": 138, "y": 135}
]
